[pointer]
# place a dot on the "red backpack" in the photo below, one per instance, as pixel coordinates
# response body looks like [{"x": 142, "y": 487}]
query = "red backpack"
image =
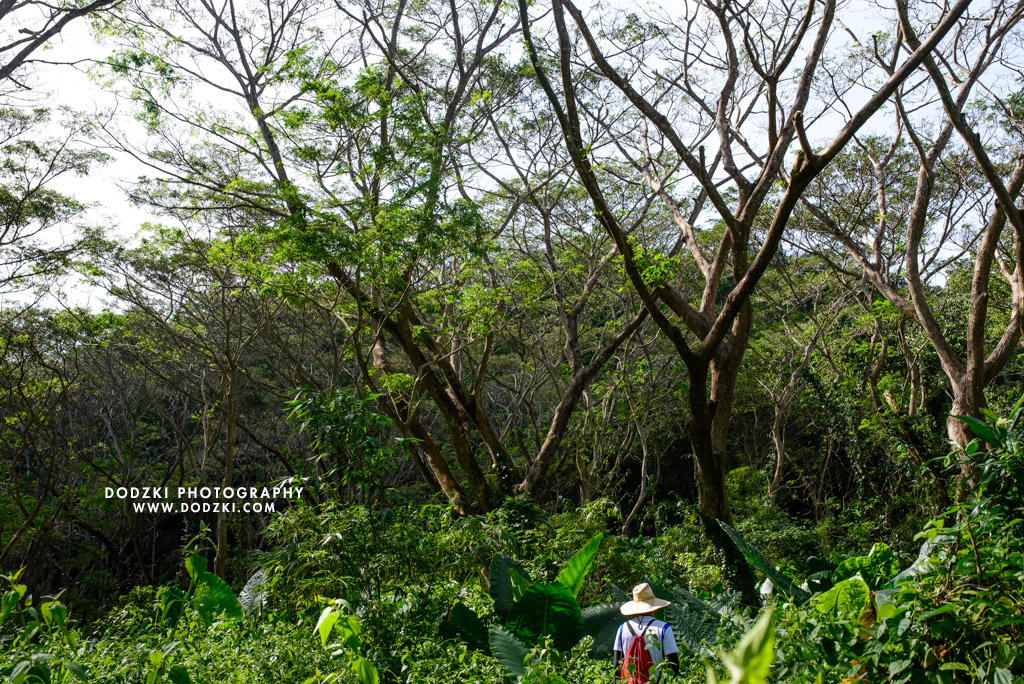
[{"x": 636, "y": 666}]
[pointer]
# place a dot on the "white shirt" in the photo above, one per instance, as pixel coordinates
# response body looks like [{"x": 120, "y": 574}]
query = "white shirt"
[{"x": 658, "y": 637}]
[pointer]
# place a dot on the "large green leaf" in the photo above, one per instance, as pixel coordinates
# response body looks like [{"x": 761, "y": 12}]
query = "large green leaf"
[
  {"x": 325, "y": 624},
  {"x": 694, "y": 623},
  {"x": 77, "y": 670},
  {"x": 465, "y": 623},
  {"x": 214, "y": 597},
  {"x": 365, "y": 671},
  {"x": 604, "y": 641},
  {"x": 501, "y": 586},
  {"x": 602, "y": 622},
  {"x": 847, "y": 599},
  {"x": 508, "y": 650},
  {"x": 983, "y": 430},
  {"x": 171, "y": 601},
  {"x": 509, "y": 581},
  {"x": 7, "y": 604},
  {"x": 179, "y": 675},
  {"x": 579, "y": 565},
  {"x": 54, "y": 613},
  {"x": 549, "y": 609},
  {"x": 521, "y": 581},
  {"x": 196, "y": 565},
  {"x": 596, "y": 617},
  {"x": 876, "y": 568},
  {"x": 751, "y": 659},
  {"x": 781, "y": 581}
]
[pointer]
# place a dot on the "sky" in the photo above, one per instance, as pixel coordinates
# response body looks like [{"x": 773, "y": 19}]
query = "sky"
[{"x": 60, "y": 83}]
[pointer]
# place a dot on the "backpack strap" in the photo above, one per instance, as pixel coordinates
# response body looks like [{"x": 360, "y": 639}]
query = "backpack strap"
[{"x": 643, "y": 627}]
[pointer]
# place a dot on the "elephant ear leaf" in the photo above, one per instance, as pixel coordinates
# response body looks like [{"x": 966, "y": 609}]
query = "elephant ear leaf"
[
  {"x": 466, "y": 624},
  {"x": 509, "y": 651},
  {"x": 196, "y": 566},
  {"x": 549, "y": 609},
  {"x": 596, "y": 617},
  {"x": 604, "y": 640},
  {"x": 980, "y": 429},
  {"x": 579, "y": 565},
  {"x": 521, "y": 581},
  {"x": 213, "y": 597},
  {"x": 694, "y": 622},
  {"x": 501, "y": 586},
  {"x": 602, "y": 622},
  {"x": 509, "y": 581}
]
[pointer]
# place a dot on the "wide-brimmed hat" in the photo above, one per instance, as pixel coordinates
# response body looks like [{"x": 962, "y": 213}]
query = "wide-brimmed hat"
[{"x": 644, "y": 601}]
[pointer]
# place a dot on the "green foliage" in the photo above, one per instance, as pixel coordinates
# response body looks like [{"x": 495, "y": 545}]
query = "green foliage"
[
  {"x": 579, "y": 565},
  {"x": 146, "y": 642},
  {"x": 954, "y": 615},
  {"x": 875, "y": 569},
  {"x": 508, "y": 650},
  {"x": 350, "y": 439},
  {"x": 344, "y": 628},
  {"x": 695, "y": 623},
  {"x": 411, "y": 578},
  {"x": 532, "y": 614},
  {"x": 844, "y": 601},
  {"x": 750, "y": 661},
  {"x": 758, "y": 560},
  {"x": 46, "y": 625},
  {"x": 508, "y": 584},
  {"x": 211, "y": 596},
  {"x": 547, "y": 609}
]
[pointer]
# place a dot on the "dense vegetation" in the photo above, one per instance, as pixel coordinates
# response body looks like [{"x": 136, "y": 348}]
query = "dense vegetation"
[
  {"x": 509, "y": 307},
  {"x": 406, "y": 593}
]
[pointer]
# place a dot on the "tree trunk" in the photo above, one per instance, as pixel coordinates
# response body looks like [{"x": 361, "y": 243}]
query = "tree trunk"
[
  {"x": 228, "y": 390},
  {"x": 714, "y": 499},
  {"x": 965, "y": 403},
  {"x": 402, "y": 414},
  {"x": 779, "y": 441}
]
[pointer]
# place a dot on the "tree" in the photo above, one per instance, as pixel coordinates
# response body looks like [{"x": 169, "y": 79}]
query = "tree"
[
  {"x": 30, "y": 209},
  {"x": 752, "y": 58},
  {"x": 357, "y": 160},
  {"x": 958, "y": 207},
  {"x": 205, "y": 316}
]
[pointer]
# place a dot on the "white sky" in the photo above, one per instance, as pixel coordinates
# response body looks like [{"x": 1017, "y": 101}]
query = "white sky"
[{"x": 59, "y": 84}]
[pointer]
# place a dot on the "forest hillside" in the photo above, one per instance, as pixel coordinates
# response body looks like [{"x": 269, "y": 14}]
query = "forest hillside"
[{"x": 451, "y": 322}]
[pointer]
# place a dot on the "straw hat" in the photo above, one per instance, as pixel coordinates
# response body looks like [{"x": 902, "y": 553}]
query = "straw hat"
[{"x": 644, "y": 601}]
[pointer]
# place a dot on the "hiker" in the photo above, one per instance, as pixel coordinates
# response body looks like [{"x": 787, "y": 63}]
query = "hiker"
[{"x": 644, "y": 642}]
